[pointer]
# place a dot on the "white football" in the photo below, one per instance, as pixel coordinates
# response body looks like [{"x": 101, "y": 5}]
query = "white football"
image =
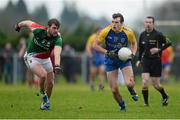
[{"x": 124, "y": 54}]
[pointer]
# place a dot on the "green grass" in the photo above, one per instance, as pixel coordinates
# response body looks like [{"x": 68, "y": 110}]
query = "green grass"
[{"x": 76, "y": 101}]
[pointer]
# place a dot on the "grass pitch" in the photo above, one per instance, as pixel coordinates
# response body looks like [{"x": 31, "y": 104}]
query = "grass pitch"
[{"x": 76, "y": 101}]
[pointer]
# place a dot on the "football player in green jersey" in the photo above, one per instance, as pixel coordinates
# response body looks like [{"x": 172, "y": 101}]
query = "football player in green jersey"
[{"x": 37, "y": 56}]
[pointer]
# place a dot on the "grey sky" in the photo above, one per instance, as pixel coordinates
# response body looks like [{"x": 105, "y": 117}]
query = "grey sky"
[{"x": 95, "y": 8}]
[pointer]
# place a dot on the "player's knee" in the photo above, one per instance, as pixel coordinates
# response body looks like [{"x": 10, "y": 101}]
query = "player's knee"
[
  {"x": 130, "y": 83},
  {"x": 156, "y": 86},
  {"x": 145, "y": 78},
  {"x": 43, "y": 75}
]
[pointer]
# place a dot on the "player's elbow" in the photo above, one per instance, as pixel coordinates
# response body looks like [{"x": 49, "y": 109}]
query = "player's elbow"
[
  {"x": 95, "y": 45},
  {"x": 26, "y": 23}
]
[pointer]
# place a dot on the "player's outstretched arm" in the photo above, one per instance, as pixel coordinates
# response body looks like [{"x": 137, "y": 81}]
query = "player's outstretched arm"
[
  {"x": 57, "y": 59},
  {"x": 25, "y": 23},
  {"x": 134, "y": 47}
]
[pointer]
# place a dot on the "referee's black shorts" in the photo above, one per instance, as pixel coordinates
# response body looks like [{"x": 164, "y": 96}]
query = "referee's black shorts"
[{"x": 152, "y": 66}]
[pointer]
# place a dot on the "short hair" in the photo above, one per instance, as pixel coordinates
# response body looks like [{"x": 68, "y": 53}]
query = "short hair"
[
  {"x": 151, "y": 17},
  {"x": 54, "y": 21},
  {"x": 116, "y": 15}
]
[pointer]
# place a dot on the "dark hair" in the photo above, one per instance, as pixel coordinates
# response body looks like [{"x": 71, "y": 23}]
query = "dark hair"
[
  {"x": 116, "y": 15},
  {"x": 54, "y": 21},
  {"x": 151, "y": 17}
]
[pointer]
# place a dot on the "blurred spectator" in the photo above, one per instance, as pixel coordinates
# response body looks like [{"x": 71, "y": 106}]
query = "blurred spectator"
[
  {"x": 21, "y": 65},
  {"x": 177, "y": 62},
  {"x": 167, "y": 59},
  {"x": 68, "y": 62},
  {"x": 8, "y": 63},
  {"x": 1, "y": 64}
]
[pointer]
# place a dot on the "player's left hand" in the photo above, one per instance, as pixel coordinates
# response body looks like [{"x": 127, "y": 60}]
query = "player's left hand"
[
  {"x": 17, "y": 28},
  {"x": 154, "y": 50},
  {"x": 132, "y": 56},
  {"x": 57, "y": 69}
]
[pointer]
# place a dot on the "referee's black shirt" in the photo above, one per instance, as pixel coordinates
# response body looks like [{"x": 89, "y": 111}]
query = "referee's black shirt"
[{"x": 148, "y": 40}]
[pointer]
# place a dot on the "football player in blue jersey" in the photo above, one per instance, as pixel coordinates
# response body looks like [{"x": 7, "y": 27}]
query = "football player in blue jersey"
[
  {"x": 116, "y": 36},
  {"x": 96, "y": 60}
]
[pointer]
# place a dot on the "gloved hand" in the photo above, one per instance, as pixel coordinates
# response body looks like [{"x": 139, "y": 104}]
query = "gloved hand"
[
  {"x": 57, "y": 69},
  {"x": 17, "y": 28},
  {"x": 111, "y": 53},
  {"x": 132, "y": 56}
]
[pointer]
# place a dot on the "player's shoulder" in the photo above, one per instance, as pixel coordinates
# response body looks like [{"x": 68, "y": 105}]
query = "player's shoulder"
[
  {"x": 93, "y": 35},
  {"x": 58, "y": 37},
  {"x": 127, "y": 28},
  {"x": 36, "y": 25},
  {"x": 106, "y": 29},
  {"x": 39, "y": 30}
]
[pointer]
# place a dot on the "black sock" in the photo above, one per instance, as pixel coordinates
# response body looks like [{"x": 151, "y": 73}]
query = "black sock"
[
  {"x": 163, "y": 93},
  {"x": 131, "y": 90},
  {"x": 145, "y": 95}
]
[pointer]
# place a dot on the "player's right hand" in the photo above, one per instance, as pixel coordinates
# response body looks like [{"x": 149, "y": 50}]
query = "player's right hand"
[
  {"x": 138, "y": 63},
  {"x": 57, "y": 69},
  {"x": 17, "y": 28}
]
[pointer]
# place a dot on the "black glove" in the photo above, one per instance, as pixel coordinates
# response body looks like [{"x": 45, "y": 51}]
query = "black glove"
[
  {"x": 57, "y": 69},
  {"x": 17, "y": 28},
  {"x": 132, "y": 57},
  {"x": 111, "y": 53}
]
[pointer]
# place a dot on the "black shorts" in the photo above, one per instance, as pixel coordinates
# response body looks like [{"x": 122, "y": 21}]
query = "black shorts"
[{"x": 152, "y": 66}]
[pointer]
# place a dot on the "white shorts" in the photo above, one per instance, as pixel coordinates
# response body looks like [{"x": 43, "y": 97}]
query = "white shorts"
[{"x": 32, "y": 61}]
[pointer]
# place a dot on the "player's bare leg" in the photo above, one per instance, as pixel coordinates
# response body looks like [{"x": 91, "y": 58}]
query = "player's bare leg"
[
  {"x": 42, "y": 74},
  {"x": 49, "y": 83},
  {"x": 112, "y": 78},
  {"x": 101, "y": 73},
  {"x": 129, "y": 80}
]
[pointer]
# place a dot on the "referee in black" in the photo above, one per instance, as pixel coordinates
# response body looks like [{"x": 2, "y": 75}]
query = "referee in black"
[{"x": 151, "y": 45}]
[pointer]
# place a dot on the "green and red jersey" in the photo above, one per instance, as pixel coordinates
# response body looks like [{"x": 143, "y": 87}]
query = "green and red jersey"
[{"x": 41, "y": 45}]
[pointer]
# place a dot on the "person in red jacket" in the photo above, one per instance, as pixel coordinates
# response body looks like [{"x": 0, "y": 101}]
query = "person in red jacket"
[{"x": 167, "y": 59}]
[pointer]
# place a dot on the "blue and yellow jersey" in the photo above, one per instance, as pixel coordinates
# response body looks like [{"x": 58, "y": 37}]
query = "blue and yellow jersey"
[
  {"x": 97, "y": 58},
  {"x": 115, "y": 40}
]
